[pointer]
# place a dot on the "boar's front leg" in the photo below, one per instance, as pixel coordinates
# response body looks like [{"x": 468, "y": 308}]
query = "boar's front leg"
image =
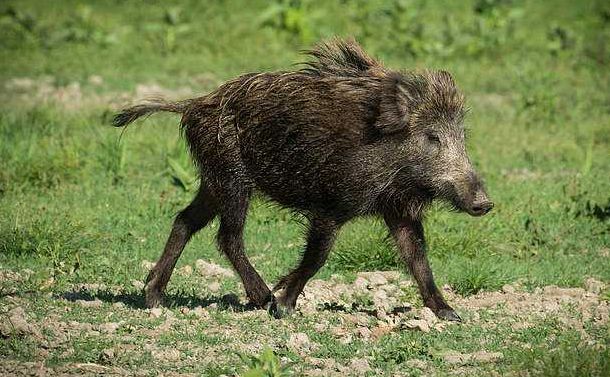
[{"x": 409, "y": 235}]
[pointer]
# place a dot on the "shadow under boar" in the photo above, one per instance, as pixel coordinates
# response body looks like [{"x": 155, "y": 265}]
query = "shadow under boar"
[{"x": 340, "y": 138}]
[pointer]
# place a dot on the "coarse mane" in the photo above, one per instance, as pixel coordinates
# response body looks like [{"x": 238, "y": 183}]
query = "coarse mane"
[{"x": 341, "y": 57}]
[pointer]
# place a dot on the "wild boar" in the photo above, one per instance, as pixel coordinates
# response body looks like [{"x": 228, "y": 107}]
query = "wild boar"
[{"x": 340, "y": 138}]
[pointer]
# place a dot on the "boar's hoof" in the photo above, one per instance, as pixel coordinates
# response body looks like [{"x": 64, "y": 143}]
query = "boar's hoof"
[
  {"x": 153, "y": 298},
  {"x": 277, "y": 309},
  {"x": 448, "y": 315}
]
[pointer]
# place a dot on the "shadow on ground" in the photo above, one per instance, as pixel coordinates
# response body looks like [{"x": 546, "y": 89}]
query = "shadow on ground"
[
  {"x": 225, "y": 302},
  {"x": 136, "y": 300}
]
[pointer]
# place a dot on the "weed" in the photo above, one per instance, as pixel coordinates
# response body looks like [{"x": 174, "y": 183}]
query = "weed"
[
  {"x": 20, "y": 347},
  {"x": 267, "y": 364},
  {"x": 364, "y": 249},
  {"x": 568, "y": 357},
  {"x": 476, "y": 276}
]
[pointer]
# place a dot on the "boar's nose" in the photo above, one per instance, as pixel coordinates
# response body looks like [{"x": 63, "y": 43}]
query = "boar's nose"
[{"x": 480, "y": 208}]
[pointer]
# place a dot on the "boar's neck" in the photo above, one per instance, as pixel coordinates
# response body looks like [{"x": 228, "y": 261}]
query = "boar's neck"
[{"x": 386, "y": 183}]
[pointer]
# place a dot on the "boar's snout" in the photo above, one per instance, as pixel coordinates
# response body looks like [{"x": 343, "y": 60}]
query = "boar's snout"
[
  {"x": 480, "y": 206},
  {"x": 469, "y": 195},
  {"x": 476, "y": 202}
]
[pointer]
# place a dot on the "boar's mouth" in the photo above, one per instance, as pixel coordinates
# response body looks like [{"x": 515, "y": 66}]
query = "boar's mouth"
[{"x": 480, "y": 209}]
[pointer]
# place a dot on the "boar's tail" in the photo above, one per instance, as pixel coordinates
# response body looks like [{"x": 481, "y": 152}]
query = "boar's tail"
[{"x": 130, "y": 114}]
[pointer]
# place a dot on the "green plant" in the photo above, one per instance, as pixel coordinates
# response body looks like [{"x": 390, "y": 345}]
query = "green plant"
[
  {"x": 267, "y": 364},
  {"x": 477, "y": 276},
  {"x": 297, "y": 18},
  {"x": 570, "y": 357}
]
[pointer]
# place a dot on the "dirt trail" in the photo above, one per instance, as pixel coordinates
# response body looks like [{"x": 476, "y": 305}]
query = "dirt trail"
[{"x": 365, "y": 311}]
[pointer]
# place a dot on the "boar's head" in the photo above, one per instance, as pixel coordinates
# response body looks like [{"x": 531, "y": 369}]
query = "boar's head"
[{"x": 423, "y": 113}]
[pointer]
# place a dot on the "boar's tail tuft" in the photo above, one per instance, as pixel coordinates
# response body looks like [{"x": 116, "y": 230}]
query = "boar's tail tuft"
[{"x": 130, "y": 114}]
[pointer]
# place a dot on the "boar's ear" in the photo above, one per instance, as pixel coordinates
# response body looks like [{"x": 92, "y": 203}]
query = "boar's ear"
[{"x": 401, "y": 94}]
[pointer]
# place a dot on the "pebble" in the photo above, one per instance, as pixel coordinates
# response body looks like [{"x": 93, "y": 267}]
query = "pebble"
[
  {"x": 418, "y": 324},
  {"x": 360, "y": 366}
]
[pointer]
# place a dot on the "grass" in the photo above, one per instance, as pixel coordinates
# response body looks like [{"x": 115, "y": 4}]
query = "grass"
[
  {"x": 81, "y": 202},
  {"x": 567, "y": 360}
]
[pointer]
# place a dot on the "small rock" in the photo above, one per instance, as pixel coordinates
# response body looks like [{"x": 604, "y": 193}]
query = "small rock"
[
  {"x": 428, "y": 315},
  {"x": 17, "y": 324},
  {"x": 380, "y": 299},
  {"x": 553, "y": 290},
  {"x": 118, "y": 304},
  {"x": 378, "y": 279},
  {"x": 90, "y": 303},
  {"x": 67, "y": 353},
  {"x": 185, "y": 271},
  {"x": 47, "y": 283},
  {"x": 212, "y": 270},
  {"x": 109, "y": 328},
  {"x": 521, "y": 325},
  {"x": 200, "y": 312},
  {"x": 594, "y": 286},
  {"x": 380, "y": 331},
  {"x": 363, "y": 332},
  {"x": 338, "y": 331},
  {"x": 418, "y": 324},
  {"x": 166, "y": 355},
  {"x": 361, "y": 283},
  {"x": 453, "y": 357},
  {"x": 106, "y": 356},
  {"x": 356, "y": 319},
  {"x": 360, "y": 366},
  {"x": 147, "y": 265},
  {"x": 346, "y": 339},
  {"x": 137, "y": 284},
  {"x": 551, "y": 306},
  {"x": 487, "y": 357},
  {"x": 96, "y": 80},
  {"x": 20, "y": 83},
  {"x": 156, "y": 312},
  {"x": 416, "y": 363},
  {"x": 214, "y": 287},
  {"x": 507, "y": 288},
  {"x": 299, "y": 342}
]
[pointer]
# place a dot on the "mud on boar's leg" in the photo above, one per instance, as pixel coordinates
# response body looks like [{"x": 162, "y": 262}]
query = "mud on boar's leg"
[
  {"x": 320, "y": 239},
  {"x": 409, "y": 235},
  {"x": 231, "y": 242},
  {"x": 190, "y": 220}
]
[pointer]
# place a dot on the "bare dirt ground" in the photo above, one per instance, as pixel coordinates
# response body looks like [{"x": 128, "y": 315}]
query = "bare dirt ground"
[
  {"x": 93, "y": 329},
  {"x": 90, "y": 94}
]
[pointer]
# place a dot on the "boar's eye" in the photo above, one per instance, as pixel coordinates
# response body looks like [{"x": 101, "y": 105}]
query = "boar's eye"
[
  {"x": 433, "y": 139},
  {"x": 433, "y": 143}
]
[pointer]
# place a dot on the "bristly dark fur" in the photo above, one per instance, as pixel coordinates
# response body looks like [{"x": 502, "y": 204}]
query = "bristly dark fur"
[
  {"x": 340, "y": 57},
  {"x": 341, "y": 138}
]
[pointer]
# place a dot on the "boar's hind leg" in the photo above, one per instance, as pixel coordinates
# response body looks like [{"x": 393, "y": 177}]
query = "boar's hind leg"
[
  {"x": 409, "y": 235},
  {"x": 319, "y": 242},
  {"x": 190, "y": 220},
  {"x": 231, "y": 243}
]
